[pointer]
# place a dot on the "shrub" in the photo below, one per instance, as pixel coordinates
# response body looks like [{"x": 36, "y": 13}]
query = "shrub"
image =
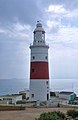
[
  {"x": 21, "y": 102},
  {"x": 72, "y": 113},
  {"x": 60, "y": 114},
  {"x": 51, "y": 116}
]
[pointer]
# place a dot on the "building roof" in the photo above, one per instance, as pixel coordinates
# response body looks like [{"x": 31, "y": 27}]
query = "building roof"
[
  {"x": 66, "y": 93},
  {"x": 12, "y": 95},
  {"x": 24, "y": 91}
]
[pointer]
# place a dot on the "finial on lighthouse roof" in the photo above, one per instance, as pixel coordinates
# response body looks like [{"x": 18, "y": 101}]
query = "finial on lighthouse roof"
[{"x": 38, "y": 21}]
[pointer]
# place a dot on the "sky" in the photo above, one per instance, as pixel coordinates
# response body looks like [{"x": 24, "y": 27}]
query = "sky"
[{"x": 18, "y": 19}]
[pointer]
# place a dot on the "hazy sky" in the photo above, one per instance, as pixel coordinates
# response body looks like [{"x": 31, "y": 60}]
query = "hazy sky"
[{"x": 17, "y": 22}]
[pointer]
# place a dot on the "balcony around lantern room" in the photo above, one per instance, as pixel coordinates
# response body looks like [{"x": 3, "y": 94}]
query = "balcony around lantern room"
[{"x": 39, "y": 44}]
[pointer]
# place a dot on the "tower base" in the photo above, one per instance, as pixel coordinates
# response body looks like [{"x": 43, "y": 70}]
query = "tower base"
[{"x": 39, "y": 90}]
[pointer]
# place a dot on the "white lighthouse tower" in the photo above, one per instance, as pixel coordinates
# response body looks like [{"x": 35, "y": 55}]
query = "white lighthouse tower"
[{"x": 39, "y": 68}]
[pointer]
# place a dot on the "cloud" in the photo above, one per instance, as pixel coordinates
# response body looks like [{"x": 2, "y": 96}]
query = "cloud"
[
  {"x": 57, "y": 16},
  {"x": 14, "y": 58},
  {"x": 14, "y": 48},
  {"x": 56, "y": 9},
  {"x": 25, "y": 11},
  {"x": 66, "y": 38},
  {"x": 68, "y": 4},
  {"x": 2, "y": 31},
  {"x": 63, "y": 63},
  {"x": 17, "y": 31}
]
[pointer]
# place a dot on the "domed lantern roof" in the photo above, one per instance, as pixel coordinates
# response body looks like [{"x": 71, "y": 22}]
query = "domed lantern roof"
[{"x": 39, "y": 27}]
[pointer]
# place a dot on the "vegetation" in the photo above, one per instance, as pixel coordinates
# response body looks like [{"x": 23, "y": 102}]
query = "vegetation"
[
  {"x": 52, "y": 116},
  {"x": 52, "y": 94},
  {"x": 21, "y": 102},
  {"x": 72, "y": 113}
]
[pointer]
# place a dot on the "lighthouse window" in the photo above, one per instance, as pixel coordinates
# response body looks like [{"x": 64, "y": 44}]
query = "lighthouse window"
[
  {"x": 47, "y": 90},
  {"x": 33, "y": 57},
  {"x": 46, "y": 82},
  {"x": 46, "y": 57},
  {"x": 32, "y": 70},
  {"x": 32, "y": 95}
]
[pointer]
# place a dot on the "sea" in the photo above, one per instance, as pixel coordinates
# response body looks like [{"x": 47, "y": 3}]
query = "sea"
[{"x": 14, "y": 86}]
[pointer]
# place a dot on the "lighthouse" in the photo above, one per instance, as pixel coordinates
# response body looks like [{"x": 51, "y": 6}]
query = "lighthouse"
[{"x": 39, "y": 67}]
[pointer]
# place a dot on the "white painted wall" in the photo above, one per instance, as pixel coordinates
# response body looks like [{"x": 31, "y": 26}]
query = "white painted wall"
[
  {"x": 16, "y": 98},
  {"x": 40, "y": 89},
  {"x": 64, "y": 96},
  {"x": 40, "y": 53},
  {"x": 13, "y": 98}
]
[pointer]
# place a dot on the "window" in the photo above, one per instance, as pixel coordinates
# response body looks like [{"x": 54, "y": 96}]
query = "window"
[
  {"x": 46, "y": 57},
  {"x": 33, "y": 70},
  {"x": 46, "y": 82},
  {"x": 32, "y": 95},
  {"x": 47, "y": 87},
  {"x": 33, "y": 57}
]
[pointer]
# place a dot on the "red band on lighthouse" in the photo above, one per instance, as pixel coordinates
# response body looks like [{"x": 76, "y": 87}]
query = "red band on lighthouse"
[{"x": 39, "y": 70}]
